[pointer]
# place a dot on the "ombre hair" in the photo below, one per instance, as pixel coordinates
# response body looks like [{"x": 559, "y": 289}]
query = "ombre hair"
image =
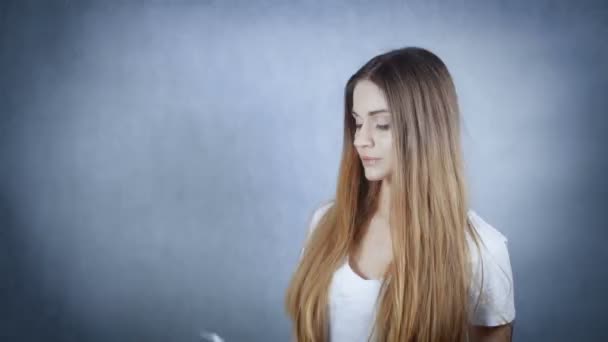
[{"x": 424, "y": 294}]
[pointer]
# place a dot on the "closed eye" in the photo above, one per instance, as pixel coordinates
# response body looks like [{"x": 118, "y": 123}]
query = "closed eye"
[{"x": 382, "y": 127}]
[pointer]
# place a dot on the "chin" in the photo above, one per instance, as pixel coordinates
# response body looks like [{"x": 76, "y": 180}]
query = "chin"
[{"x": 374, "y": 176}]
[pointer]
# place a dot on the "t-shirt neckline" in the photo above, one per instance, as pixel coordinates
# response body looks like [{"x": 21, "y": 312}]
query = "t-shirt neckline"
[{"x": 358, "y": 276}]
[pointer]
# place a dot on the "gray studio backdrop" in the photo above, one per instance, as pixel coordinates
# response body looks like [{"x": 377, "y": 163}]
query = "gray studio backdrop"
[{"x": 159, "y": 160}]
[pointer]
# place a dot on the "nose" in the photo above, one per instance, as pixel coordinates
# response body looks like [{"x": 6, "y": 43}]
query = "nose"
[{"x": 363, "y": 136}]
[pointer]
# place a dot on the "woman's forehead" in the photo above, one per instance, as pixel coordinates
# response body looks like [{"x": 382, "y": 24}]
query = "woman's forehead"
[{"x": 368, "y": 97}]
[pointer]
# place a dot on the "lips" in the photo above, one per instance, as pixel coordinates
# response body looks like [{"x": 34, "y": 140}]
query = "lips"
[{"x": 369, "y": 158}]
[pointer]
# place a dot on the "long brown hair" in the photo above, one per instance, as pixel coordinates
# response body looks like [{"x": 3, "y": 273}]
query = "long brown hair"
[{"x": 424, "y": 293}]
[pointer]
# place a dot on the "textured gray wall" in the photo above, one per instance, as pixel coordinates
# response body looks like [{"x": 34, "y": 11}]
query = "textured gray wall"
[{"x": 159, "y": 160}]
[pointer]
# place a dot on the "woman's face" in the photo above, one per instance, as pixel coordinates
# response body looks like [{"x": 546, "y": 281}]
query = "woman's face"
[{"x": 373, "y": 138}]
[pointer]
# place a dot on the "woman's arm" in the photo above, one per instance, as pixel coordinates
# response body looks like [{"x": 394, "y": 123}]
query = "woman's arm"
[{"x": 501, "y": 333}]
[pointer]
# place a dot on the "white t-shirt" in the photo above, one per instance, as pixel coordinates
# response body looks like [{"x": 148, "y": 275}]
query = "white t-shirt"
[{"x": 352, "y": 299}]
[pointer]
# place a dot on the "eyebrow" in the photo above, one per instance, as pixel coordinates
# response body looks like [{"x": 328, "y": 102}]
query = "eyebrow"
[{"x": 374, "y": 112}]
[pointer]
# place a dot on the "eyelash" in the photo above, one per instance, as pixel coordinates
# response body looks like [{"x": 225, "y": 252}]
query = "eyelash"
[{"x": 382, "y": 127}]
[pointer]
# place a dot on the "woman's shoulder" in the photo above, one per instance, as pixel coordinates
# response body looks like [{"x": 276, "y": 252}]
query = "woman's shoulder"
[
  {"x": 493, "y": 247},
  {"x": 318, "y": 212},
  {"x": 488, "y": 233}
]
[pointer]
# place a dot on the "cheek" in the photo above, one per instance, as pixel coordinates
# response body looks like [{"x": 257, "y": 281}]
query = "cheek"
[
  {"x": 386, "y": 144},
  {"x": 388, "y": 151}
]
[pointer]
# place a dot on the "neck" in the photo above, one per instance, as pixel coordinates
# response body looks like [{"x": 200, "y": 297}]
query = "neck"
[{"x": 385, "y": 200}]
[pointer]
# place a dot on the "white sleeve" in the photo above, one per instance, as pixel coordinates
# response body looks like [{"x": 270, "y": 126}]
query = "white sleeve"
[{"x": 497, "y": 302}]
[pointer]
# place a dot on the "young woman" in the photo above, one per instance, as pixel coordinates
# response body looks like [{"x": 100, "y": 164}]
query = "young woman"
[{"x": 398, "y": 255}]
